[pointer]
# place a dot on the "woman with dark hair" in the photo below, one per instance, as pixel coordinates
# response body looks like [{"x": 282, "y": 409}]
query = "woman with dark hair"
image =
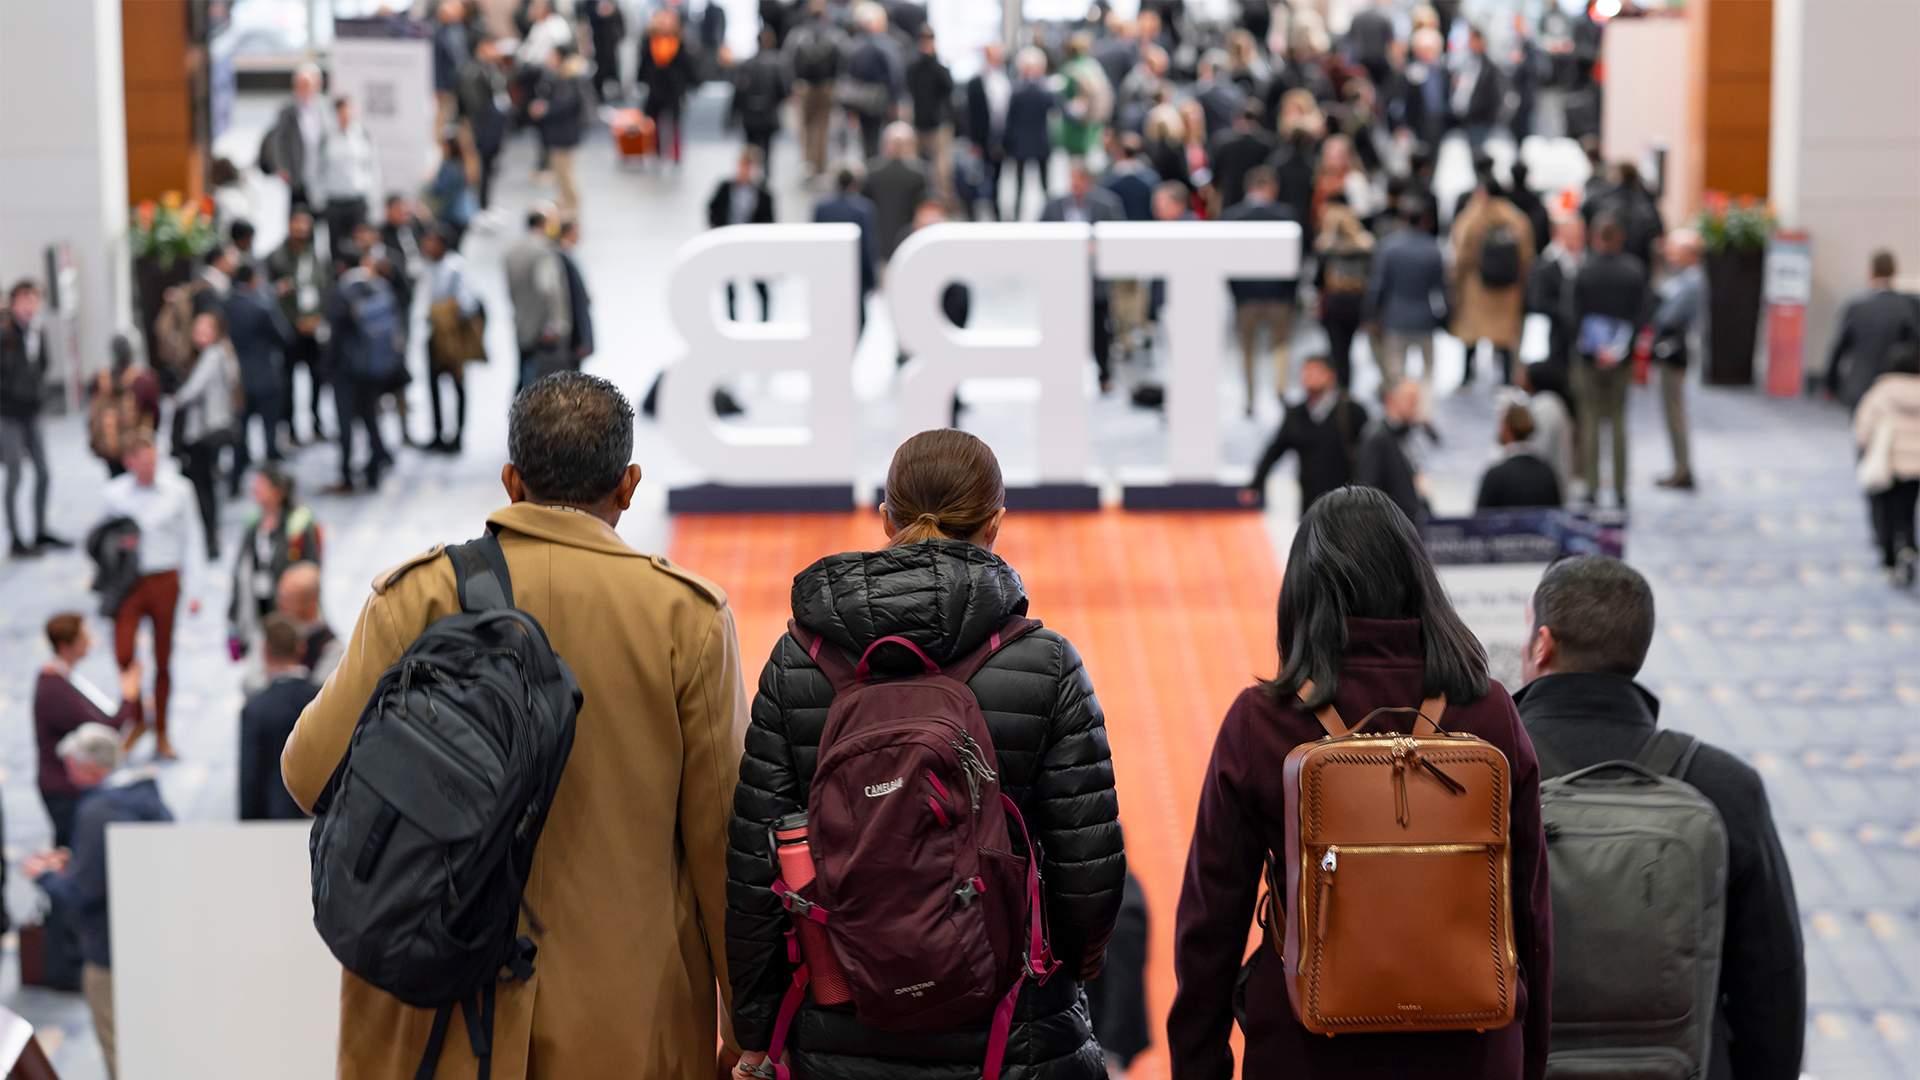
[
  {"x": 937, "y": 584},
  {"x": 1364, "y": 625},
  {"x": 279, "y": 532}
]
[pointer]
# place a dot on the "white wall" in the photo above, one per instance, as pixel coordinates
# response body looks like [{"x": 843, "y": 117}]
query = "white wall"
[
  {"x": 1650, "y": 64},
  {"x": 1845, "y": 151},
  {"x": 64, "y": 144},
  {"x": 218, "y": 973}
]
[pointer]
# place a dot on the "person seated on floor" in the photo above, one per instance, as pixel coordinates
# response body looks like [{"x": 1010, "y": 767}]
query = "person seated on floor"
[
  {"x": 268, "y": 719},
  {"x": 299, "y": 600},
  {"x": 78, "y": 877},
  {"x": 1521, "y": 478}
]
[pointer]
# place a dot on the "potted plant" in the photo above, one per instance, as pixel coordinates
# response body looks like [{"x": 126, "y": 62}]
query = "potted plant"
[
  {"x": 166, "y": 239},
  {"x": 1734, "y": 234}
]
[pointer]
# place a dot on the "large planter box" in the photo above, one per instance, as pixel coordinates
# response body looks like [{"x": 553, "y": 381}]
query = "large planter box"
[{"x": 1733, "y": 280}]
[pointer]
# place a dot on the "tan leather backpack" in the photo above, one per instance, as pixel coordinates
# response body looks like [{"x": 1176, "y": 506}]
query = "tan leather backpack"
[{"x": 1397, "y": 896}]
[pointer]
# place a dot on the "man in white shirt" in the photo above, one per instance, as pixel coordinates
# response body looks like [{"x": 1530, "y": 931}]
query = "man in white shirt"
[
  {"x": 349, "y": 173},
  {"x": 548, "y": 31},
  {"x": 163, "y": 504}
]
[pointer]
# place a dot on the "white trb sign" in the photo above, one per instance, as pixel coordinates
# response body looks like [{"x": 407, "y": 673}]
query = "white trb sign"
[{"x": 1054, "y": 262}]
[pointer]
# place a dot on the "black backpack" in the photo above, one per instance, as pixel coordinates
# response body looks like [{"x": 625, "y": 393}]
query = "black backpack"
[
  {"x": 1500, "y": 258},
  {"x": 816, "y": 56},
  {"x": 423, "y": 838}
]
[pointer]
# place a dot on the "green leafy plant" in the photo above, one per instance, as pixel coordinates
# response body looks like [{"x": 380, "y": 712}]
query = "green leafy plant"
[
  {"x": 172, "y": 228},
  {"x": 1725, "y": 223}
]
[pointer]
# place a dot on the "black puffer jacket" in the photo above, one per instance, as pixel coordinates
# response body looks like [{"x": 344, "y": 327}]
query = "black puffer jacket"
[{"x": 945, "y": 596}]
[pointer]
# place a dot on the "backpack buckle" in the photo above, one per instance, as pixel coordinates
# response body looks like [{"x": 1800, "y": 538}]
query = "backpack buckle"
[
  {"x": 967, "y": 891},
  {"x": 798, "y": 904}
]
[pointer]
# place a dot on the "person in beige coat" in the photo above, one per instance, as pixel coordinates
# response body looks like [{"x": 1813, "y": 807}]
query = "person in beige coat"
[
  {"x": 629, "y": 879},
  {"x": 1887, "y": 427},
  {"x": 1483, "y": 312}
]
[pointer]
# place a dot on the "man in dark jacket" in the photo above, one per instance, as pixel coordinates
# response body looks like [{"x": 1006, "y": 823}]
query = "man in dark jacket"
[
  {"x": 301, "y": 279},
  {"x": 1242, "y": 147},
  {"x": 1611, "y": 301},
  {"x": 79, "y": 879},
  {"x": 560, "y": 106},
  {"x": 853, "y": 208},
  {"x": 1593, "y": 619},
  {"x": 1872, "y": 323},
  {"x": 989, "y": 95},
  {"x": 743, "y": 200},
  {"x": 1370, "y": 38},
  {"x": 1266, "y": 302},
  {"x": 760, "y": 87},
  {"x": 1029, "y": 139},
  {"x": 1383, "y": 461},
  {"x": 483, "y": 85},
  {"x": 1521, "y": 478},
  {"x": 265, "y": 722},
  {"x": 1323, "y": 429},
  {"x": 607, "y": 26},
  {"x": 1628, "y": 202},
  {"x": 1034, "y": 693},
  {"x": 1130, "y": 178},
  {"x": 355, "y": 353},
  {"x": 875, "y": 77},
  {"x": 1550, "y": 287},
  {"x": 291, "y": 149},
  {"x": 451, "y": 52},
  {"x": 1406, "y": 298},
  {"x": 579, "y": 301},
  {"x": 1221, "y": 99},
  {"x": 260, "y": 337},
  {"x": 1528, "y": 203},
  {"x": 1479, "y": 91},
  {"x": 23, "y": 373},
  {"x": 930, "y": 87},
  {"x": 897, "y": 183},
  {"x": 1417, "y": 98},
  {"x": 814, "y": 58}
]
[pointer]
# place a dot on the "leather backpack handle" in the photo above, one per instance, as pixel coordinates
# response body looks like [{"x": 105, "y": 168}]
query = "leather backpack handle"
[{"x": 1430, "y": 712}]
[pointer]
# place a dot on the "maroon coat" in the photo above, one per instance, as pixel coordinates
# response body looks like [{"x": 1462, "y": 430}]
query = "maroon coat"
[
  {"x": 1241, "y": 821},
  {"x": 58, "y": 708}
]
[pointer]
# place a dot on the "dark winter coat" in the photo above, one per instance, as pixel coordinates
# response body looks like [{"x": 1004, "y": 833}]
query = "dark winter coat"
[
  {"x": 930, "y": 86},
  {"x": 667, "y": 84},
  {"x": 1241, "y": 822},
  {"x": 1028, "y": 138},
  {"x": 1326, "y": 447},
  {"x": 1520, "y": 480},
  {"x": 946, "y": 596},
  {"x": 22, "y": 377},
  {"x": 1382, "y": 462},
  {"x": 1871, "y": 324},
  {"x": 1582, "y": 719},
  {"x": 265, "y": 722},
  {"x": 565, "y": 119},
  {"x": 261, "y": 337}
]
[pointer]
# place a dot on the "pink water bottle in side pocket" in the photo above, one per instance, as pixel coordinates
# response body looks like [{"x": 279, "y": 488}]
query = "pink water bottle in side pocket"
[{"x": 824, "y": 980}]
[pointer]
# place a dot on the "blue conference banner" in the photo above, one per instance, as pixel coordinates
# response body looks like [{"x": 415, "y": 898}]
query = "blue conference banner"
[{"x": 1521, "y": 536}]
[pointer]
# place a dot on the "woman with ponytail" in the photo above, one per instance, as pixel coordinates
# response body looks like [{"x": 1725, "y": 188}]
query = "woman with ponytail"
[{"x": 937, "y": 584}]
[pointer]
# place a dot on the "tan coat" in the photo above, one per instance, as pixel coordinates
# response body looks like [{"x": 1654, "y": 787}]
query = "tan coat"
[
  {"x": 1893, "y": 401},
  {"x": 630, "y": 875},
  {"x": 1480, "y": 312}
]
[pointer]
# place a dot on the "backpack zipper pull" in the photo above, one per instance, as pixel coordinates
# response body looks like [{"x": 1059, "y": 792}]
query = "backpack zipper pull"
[
  {"x": 1401, "y": 812},
  {"x": 1328, "y": 863}
]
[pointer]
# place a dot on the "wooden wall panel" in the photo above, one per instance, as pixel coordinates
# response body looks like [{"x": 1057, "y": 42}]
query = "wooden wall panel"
[
  {"x": 160, "y": 150},
  {"x": 1739, "y": 74}
]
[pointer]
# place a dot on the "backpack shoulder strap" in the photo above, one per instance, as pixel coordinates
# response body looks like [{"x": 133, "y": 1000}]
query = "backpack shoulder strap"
[
  {"x": 1430, "y": 712},
  {"x": 480, "y": 569},
  {"x": 836, "y": 667},
  {"x": 1669, "y": 753},
  {"x": 963, "y": 670}
]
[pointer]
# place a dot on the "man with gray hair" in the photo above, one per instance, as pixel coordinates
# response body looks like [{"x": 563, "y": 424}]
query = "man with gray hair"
[
  {"x": 897, "y": 184},
  {"x": 639, "y": 820},
  {"x": 1593, "y": 620},
  {"x": 78, "y": 877},
  {"x": 292, "y": 149}
]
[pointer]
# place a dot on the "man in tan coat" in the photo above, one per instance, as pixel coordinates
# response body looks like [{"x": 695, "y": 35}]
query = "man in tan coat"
[
  {"x": 629, "y": 879},
  {"x": 1484, "y": 311}
]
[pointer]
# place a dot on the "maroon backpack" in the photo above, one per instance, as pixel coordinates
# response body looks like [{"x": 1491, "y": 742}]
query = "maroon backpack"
[{"x": 931, "y": 918}]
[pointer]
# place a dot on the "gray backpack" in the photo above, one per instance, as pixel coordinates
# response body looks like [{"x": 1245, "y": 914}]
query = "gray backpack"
[{"x": 1638, "y": 861}]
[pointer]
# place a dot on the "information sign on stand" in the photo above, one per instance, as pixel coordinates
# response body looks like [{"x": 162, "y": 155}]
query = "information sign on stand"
[
  {"x": 1490, "y": 564},
  {"x": 1788, "y": 289}
]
